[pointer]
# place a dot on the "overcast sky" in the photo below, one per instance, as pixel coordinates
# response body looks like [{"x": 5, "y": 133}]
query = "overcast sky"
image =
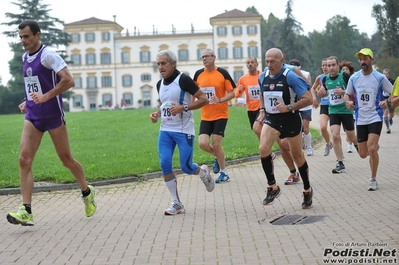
[{"x": 313, "y": 14}]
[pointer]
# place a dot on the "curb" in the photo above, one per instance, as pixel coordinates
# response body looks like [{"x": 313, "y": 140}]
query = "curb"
[{"x": 153, "y": 175}]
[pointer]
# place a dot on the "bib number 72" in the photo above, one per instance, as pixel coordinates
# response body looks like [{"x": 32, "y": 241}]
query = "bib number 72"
[{"x": 273, "y": 102}]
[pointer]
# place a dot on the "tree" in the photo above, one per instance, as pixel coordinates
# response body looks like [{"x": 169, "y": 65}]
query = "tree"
[
  {"x": 270, "y": 32},
  {"x": 376, "y": 43},
  {"x": 35, "y": 10},
  {"x": 387, "y": 17},
  {"x": 291, "y": 39},
  {"x": 290, "y": 28},
  {"x": 340, "y": 39},
  {"x": 16, "y": 84},
  {"x": 9, "y": 101},
  {"x": 50, "y": 36},
  {"x": 389, "y": 62}
]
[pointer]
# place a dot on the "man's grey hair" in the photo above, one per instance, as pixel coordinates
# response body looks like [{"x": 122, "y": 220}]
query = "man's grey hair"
[
  {"x": 209, "y": 50},
  {"x": 171, "y": 56}
]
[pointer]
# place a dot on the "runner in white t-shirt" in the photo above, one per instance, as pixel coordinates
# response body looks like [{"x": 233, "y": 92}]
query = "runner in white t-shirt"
[{"x": 306, "y": 113}]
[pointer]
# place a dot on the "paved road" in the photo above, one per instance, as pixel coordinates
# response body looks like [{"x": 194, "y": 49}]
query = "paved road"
[{"x": 228, "y": 226}]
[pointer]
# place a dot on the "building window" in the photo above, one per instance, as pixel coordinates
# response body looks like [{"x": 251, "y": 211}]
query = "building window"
[
  {"x": 76, "y": 59},
  {"x": 106, "y": 81},
  {"x": 237, "y": 52},
  {"x": 221, "y": 31},
  {"x": 90, "y": 37},
  {"x": 183, "y": 55},
  {"x": 127, "y": 80},
  {"x": 92, "y": 102},
  {"x": 127, "y": 99},
  {"x": 145, "y": 77},
  {"x": 78, "y": 82},
  {"x": 252, "y": 30},
  {"x": 145, "y": 57},
  {"x": 106, "y": 36},
  {"x": 77, "y": 101},
  {"x": 146, "y": 99},
  {"x": 107, "y": 100},
  {"x": 92, "y": 82},
  {"x": 253, "y": 51},
  {"x": 199, "y": 54},
  {"x": 105, "y": 58},
  {"x": 125, "y": 57},
  {"x": 90, "y": 59},
  {"x": 75, "y": 37},
  {"x": 237, "y": 75},
  {"x": 237, "y": 30},
  {"x": 222, "y": 53}
]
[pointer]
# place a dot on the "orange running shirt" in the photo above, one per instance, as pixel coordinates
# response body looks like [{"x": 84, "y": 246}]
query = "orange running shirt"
[
  {"x": 218, "y": 82},
  {"x": 251, "y": 89}
]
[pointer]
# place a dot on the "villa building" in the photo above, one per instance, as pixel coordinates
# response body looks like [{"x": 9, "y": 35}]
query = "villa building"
[{"x": 113, "y": 68}]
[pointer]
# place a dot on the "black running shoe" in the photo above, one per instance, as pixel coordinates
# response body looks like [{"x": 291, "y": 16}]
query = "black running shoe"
[
  {"x": 307, "y": 199},
  {"x": 340, "y": 168},
  {"x": 271, "y": 195}
]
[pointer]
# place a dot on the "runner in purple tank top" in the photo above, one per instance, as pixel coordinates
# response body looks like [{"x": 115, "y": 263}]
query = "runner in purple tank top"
[{"x": 46, "y": 77}]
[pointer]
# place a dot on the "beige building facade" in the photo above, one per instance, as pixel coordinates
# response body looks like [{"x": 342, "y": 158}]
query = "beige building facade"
[{"x": 116, "y": 69}]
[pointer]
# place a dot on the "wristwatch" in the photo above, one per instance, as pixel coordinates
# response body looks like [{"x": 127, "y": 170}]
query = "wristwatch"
[
  {"x": 289, "y": 107},
  {"x": 185, "y": 107}
]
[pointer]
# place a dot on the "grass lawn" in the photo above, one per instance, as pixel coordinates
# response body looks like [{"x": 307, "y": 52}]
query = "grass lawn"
[{"x": 113, "y": 144}]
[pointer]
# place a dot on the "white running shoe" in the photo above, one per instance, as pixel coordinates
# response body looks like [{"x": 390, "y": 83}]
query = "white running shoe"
[
  {"x": 310, "y": 152},
  {"x": 175, "y": 208},
  {"x": 329, "y": 146},
  {"x": 349, "y": 149},
  {"x": 206, "y": 178},
  {"x": 373, "y": 185}
]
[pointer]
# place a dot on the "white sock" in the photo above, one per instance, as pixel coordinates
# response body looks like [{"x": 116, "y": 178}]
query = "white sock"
[
  {"x": 172, "y": 187},
  {"x": 202, "y": 172},
  {"x": 308, "y": 140},
  {"x": 224, "y": 171}
]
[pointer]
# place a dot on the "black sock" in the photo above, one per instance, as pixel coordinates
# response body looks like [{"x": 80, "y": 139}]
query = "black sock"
[
  {"x": 357, "y": 147},
  {"x": 304, "y": 171},
  {"x": 268, "y": 168},
  {"x": 86, "y": 192},
  {"x": 28, "y": 208},
  {"x": 293, "y": 171}
]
